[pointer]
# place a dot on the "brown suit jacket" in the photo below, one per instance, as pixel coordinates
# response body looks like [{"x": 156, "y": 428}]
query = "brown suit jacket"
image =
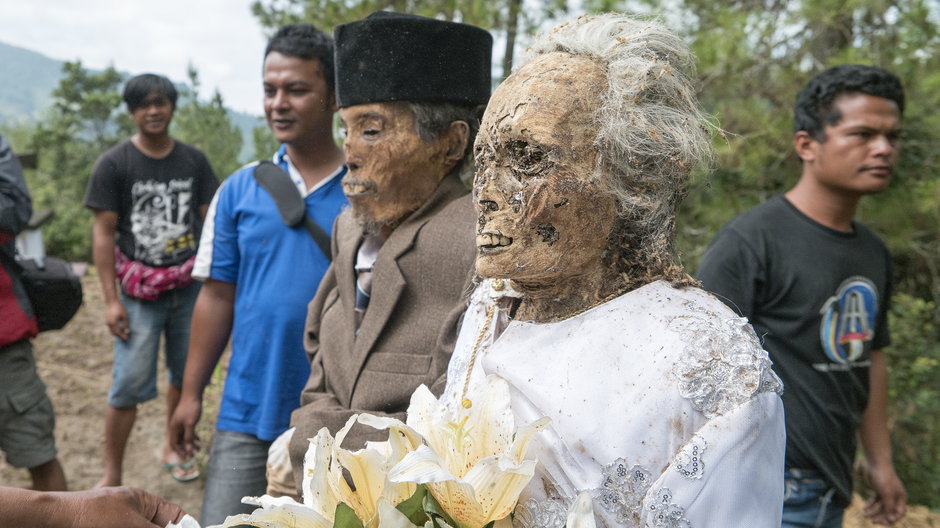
[{"x": 409, "y": 330}]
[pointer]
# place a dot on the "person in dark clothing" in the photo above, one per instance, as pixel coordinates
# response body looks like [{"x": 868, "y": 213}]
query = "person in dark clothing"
[
  {"x": 26, "y": 416},
  {"x": 149, "y": 194},
  {"x": 816, "y": 285}
]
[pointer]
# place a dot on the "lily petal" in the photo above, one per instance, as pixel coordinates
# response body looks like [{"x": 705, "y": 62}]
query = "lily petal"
[
  {"x": 498, "y": 481},
  {"x": 581, "y": 513},
  {"x": 276, "y": 513},
  {"x": 317, "y": 489},
  {"x": 421, "y": 466}
]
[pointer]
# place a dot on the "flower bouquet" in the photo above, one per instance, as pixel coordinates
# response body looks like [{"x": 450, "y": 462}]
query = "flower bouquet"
[{"x": 441, "y": 469}]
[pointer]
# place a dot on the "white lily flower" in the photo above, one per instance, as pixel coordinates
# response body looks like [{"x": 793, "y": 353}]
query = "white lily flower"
[
  {"x": 473, "y": 463},
  {"x": 324, "y": 485},
  {"x": 279, "y": 512},
  {"x": 368, "y": 469},
  {"x": 316, "y": 487}
]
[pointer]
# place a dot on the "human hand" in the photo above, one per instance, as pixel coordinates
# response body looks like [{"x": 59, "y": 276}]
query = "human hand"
[
  {"x": 181, "y": 430},
  {"x": 121, "y": 507},
  {"x": 889, "y": 504},
  {"x": 116, "y": 319}
]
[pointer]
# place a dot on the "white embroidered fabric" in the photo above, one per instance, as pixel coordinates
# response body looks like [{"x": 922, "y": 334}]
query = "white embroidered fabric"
[{"x": 663, "y": 406}]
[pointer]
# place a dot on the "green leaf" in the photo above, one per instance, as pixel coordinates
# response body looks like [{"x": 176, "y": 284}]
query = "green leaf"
[
  {"x": 345, "y": 517},
  {"x": 436, "y": 513},
  {"x": 413, "y": 507}
]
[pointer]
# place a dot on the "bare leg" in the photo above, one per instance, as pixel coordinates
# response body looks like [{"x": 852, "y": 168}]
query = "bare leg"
[
  {"x": 48, "y": 476},
  {"x": 118, "y": 422}
]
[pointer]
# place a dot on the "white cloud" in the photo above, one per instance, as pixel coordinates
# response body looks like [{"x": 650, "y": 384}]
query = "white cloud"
[{"x": 219, "y": 37}]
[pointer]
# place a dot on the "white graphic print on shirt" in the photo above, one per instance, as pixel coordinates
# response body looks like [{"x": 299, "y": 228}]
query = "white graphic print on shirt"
[{"x": 160, "y": 220}]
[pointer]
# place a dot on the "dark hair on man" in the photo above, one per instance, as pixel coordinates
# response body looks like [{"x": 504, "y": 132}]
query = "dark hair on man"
[
  {"x": 137, "y": 88},
  {"x": 306, "y": 42},
  {"x": 815, "y": 108}
]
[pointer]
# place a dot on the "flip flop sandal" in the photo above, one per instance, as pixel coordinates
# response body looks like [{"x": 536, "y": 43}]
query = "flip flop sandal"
[{"x": 185, "y": 475}]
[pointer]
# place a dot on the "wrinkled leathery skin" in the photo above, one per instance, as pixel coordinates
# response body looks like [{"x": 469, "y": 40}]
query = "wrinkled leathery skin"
[
  {"x": 545, "y": 216},
  {"x": 392, "y": 171}
]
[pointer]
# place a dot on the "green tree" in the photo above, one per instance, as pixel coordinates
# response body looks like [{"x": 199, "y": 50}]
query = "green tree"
[
  {"x": 206, "y": 125},
  {"x": 264, "y": 142},
  {"x": 505, "y": 18},
  {"x": 85, "y": 119}
]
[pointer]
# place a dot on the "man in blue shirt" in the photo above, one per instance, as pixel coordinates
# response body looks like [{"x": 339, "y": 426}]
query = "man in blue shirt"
[{"x": 259, "y": 276}]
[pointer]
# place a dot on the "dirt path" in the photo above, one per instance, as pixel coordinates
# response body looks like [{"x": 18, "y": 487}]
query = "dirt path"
[{"x": 75, "y": 363}]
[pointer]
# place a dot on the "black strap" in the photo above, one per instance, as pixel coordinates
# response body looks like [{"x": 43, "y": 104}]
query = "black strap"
[{"x": 290, "y": 204}]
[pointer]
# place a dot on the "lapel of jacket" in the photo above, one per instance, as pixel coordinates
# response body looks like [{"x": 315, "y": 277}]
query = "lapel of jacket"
[{"x": 388, "y": 283}]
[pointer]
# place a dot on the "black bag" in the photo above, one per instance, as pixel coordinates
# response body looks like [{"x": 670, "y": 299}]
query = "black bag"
[
  {"x": 292, "y": 207},
  {"x": 53, "y": 289}
]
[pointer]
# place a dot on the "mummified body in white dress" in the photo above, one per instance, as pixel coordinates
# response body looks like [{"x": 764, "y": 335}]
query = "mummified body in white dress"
[{"x": 663, "y": 405}]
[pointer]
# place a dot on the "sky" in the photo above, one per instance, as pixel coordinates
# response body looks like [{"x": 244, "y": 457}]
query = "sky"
[{"x": 220, "y": 38}]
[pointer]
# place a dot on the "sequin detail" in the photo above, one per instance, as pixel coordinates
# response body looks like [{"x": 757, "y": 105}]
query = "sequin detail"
[
  {"x": 664, "y": 513},
  {"x": 622, "y": 491},
  {"x": 623, "y": 497},
  {"x": 540, "y": 514},
  {"x": 689, "y": 462},
  {"x": 723, "y": 364}
]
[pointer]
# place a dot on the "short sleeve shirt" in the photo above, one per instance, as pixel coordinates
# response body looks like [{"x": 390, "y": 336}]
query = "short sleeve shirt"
[
  {"x": 818, "y": 298},
  {"x": 156, "y": 200},
  {"x": 277, "y": 270}
]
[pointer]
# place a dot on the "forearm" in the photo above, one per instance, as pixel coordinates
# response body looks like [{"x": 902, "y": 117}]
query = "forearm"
[
  {"x": 122, "y": 507},
  {"x": 22, "y": 507},
  {"x": 873, "y": 429},
  {"x": 103, "y": 241},
  {"x": 212, "y": 320}
]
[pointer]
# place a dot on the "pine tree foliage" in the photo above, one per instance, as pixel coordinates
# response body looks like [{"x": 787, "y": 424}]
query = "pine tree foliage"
[
  {"x": 510, "y": 21},
  {"x": 206, "y": 126}
]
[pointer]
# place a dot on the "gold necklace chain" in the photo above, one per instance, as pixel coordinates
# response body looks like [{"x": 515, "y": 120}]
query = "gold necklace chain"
[
  {"x": 464, "y": 401},
  {"x": 490, "y": 313}
]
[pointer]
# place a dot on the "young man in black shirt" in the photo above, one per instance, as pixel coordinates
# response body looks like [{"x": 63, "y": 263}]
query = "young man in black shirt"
[
  {"x": 816, "y": 285},
  {"x": 149, "y": 195}
]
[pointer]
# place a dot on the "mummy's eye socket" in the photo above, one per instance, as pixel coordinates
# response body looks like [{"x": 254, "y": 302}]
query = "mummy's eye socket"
[{"x": 526, "y": 159}]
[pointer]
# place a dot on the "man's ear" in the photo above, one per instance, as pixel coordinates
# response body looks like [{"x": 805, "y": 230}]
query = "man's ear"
[
  {"x": 457, "y": 136},
  {"x": 805, "y": 146}
]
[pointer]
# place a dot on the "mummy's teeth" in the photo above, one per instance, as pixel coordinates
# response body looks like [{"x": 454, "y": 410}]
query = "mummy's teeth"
[{"x": 492, "y": 239}]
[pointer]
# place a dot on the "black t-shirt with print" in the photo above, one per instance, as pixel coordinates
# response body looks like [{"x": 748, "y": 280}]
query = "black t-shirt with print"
[
  {"x": 156, "y": 200},
  {"x": 818, "y": 298}
]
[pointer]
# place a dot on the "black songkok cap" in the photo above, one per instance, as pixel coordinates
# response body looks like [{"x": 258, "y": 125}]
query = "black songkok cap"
[{"x": 396, "y": 57}]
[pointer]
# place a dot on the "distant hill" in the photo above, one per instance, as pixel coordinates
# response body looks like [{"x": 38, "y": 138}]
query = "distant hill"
[
  {"x": 26, "y": 82},
  {"x": 27, "y": 79}
]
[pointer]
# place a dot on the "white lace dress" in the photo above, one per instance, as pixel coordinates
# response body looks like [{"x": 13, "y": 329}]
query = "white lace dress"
[{"x": 663, "y": 406}]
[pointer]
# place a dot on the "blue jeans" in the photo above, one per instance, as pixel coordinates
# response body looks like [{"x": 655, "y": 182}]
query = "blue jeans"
[
  {"x": 237, "y": 464},
  {"x": 807, "y": 501},
  {"x": 134, "y": 373}
]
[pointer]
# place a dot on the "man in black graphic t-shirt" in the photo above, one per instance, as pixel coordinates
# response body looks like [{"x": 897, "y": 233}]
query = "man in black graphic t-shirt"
[
  {"x": 816, "y": 286},
  {"x": 149, "y": 195}
]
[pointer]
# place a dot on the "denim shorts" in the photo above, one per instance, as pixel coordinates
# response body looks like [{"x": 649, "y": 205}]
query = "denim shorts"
[
  {"x": 134, "y": 373},
  {"x": 26, "y": 417},
  {"x": 807, "y": 501}
]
